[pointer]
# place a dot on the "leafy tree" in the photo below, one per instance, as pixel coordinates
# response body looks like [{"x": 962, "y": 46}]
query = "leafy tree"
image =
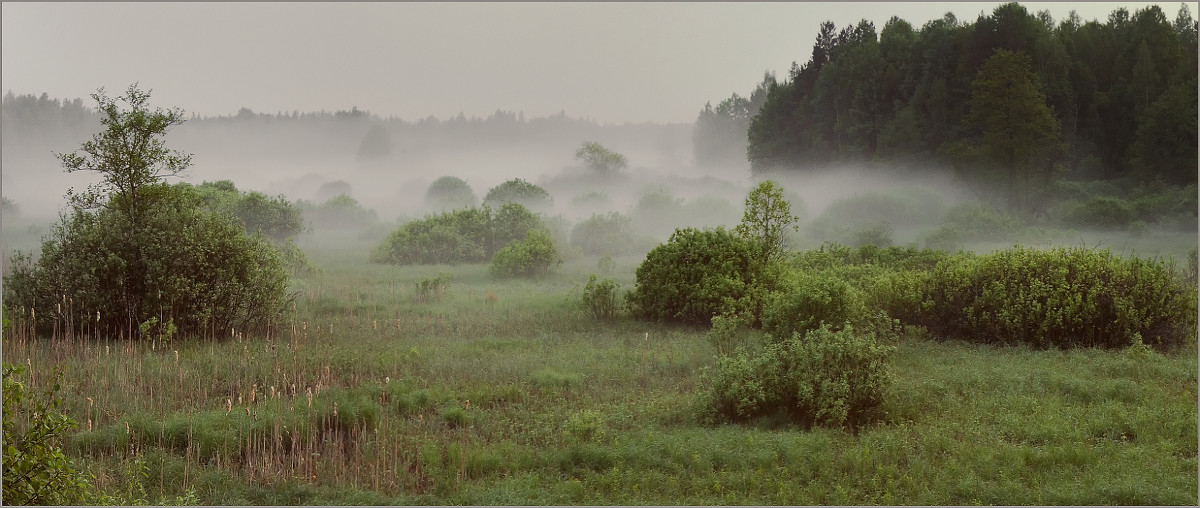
[
  {"x": 766, "y": 219},
  {"x": 600, "y": 159},
  {"x": 449, "y": 193},
  {"x": 341, "y": 211},
  {"x": 151, "y": 249},
  {"x": 471, "y": 235},
  {"x": 1018, "y": 131},
  {"x": 519, "y": 191},
  {"x": 274, "y": 217},
  {"x": 129, "y": 153}
]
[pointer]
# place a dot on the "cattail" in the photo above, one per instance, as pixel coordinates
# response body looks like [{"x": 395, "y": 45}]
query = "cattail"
[
  {"x": 375, "y": 324},
  {"x": 105, "y": 350},
  {"x": 335, "y": 409},
  {"x": 304, "y": 325},
  {"x": 272, "y": 391},
  {"x": 239, "y": 400},
  {"x": 309, "y": 395},
  {"x": 97, "y": 316},
  {"x": 467, "y": 404},
  {"x": 176, "y": 357},
  {"x": 247, "y": 410},
  {"x": 228, "y": 406},
  {"x": 89, "y": 424},
  {"x": 387, "y": 380},
  {"x": 253, "y": 393}
]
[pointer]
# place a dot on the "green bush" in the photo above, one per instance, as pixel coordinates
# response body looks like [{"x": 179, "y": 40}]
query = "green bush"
[
  {"x": 179, "y": 261},
  {"x": 604, "y": 234},
  {"x": 471, "y": 235},
  {"x": 600, "y": 298},
  {"x": 1101, "y": 213},
  {"x": 432, "y": 288},
  {"x": 808, "y": 301},
  {"x": 274, "y": 217},
  {"x": 826, "y": 378},
  {"x": 519, "y": 191},
  {"x": 36, "y": 472},
  {"x": 695, "y": 275},
  {"x": 532, "y": 257},
  {"x": 449, "y": 193},
  {"x": 1058, "y": 298}
]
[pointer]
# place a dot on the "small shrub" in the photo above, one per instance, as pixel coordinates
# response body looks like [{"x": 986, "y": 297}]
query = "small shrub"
[
  {"x": 600, "y": 298},
  {"x": 433, "y": 288},
  {"x": 879, "y": 235},
  {"x": 471, "y": 235},
  {"x": 828, "y": 378},
  {"x": 532, "y": 257},
  {"x": 519, "y": 191},
  {"x": 35, "y": 469},
  {"x": 606, "y": 265},
  {"x": 585, "y": 425},
  {"x": 449, "y": 193}
]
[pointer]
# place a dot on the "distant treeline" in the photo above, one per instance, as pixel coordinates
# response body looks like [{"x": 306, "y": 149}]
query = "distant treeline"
[{"x": 1016, "y": 92}]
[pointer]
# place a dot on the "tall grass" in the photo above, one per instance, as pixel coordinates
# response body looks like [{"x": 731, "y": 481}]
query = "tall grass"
[{"x": 364, "y": 400}]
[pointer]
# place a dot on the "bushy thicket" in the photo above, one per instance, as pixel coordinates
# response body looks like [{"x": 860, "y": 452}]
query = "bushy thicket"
[
  {"x": 1057, "y": 298},
  {"x": 822, "y": 377},
  {"x": 180, "y": 263},
  {"x": 471, "y": 235},
  {"x": 532, "y": 256},
  {"x": 604, "y": 234},
  {"x": 696, "y": 275},
  {"x": 36, "y": 472}
]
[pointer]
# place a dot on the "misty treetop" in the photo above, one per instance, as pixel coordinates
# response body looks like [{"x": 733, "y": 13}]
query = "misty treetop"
[{"x": 1040, "y": 98}]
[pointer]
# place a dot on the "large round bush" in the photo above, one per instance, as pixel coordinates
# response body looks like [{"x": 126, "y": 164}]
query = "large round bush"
[
  {"x": 693, "y": 276},
  {"x": 449, "y": 193},
  {"x": 178, "y": 264}
]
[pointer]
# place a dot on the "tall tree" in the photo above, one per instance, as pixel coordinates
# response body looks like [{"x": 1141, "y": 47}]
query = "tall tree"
[{"x": 1018, "y": 133}]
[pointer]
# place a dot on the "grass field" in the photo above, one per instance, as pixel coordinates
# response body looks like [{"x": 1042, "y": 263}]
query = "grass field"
[{"x": 505, "y": 392}]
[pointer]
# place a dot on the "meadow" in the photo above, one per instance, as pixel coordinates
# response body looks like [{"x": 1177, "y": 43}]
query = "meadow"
[{"x": 473, "y": 390}]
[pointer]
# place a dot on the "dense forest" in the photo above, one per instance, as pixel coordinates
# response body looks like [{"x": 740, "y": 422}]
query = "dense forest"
[{"x": 1015, "y": 98}]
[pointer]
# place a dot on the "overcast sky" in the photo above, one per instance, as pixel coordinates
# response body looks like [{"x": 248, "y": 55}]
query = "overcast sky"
[{"x": 610, "y": 62}]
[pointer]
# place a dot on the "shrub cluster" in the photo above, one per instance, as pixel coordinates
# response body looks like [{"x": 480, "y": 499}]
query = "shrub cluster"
[
  {"x": 471, "y": 235},
  {"x": 824, "y": 377},
  {"x": 519, "y": 191},
  {"x": 808, "y": 301},
  {"x": 339, "y": 212},
  {"x": 449, "y": 193}
]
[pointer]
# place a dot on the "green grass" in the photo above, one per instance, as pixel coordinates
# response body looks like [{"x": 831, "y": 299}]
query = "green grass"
[{"x": 564, "y": 409}]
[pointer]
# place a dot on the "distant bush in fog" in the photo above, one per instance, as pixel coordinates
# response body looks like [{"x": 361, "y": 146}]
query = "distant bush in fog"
[
  {"x": 610, "y": 234},
  {"x": 449, "y": 193},
  {"x": 519, "y": 191},
  {"x": 472, "y": 235},
  {"x": 339, "y": 212}
]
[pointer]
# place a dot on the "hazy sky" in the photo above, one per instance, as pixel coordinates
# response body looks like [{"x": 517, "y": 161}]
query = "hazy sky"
[{"x": 610, "y": 62}]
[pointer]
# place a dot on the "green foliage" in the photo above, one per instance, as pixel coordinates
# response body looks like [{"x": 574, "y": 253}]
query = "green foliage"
[
  {"x": 808, "y": 301},
  {"x": 604, "y": 234},
  {"x": 129, "y": 153},
  {"x": 274, "y": 217},
  {"x": 472, "y": 235},
  {"x": 449, "y": 193},
  {"x": 600, "y": 159},
  {"x": 338, "y": 212},
  {"x": 824, "y": 377},
  {"x": 36, "y": 472},
  {"x": 100, "y": 267},
  {"x": 535, "y": 256},
  {"x": 1101, "y": 213},
  {"x": 1058, "y": 298},
  {"x": 696, "y": 274},
  {"x": 585, "y": 425},
  {"x": 599, "y": 298},
  {"x": 766, "y": 219},
  {"x": 433, "y": 288},
  {"x": 519, "y": 191}
]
